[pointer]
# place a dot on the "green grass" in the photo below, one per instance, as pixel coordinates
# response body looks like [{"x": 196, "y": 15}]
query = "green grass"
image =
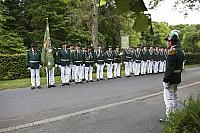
[{"x": 22, "y": 83}]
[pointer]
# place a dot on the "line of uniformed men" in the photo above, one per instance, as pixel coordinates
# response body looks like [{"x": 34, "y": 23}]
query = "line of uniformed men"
[{"x": 77, "y": 64}]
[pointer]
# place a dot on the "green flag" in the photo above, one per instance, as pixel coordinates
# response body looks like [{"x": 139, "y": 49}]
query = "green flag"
[{"x": 47, "y": 51}]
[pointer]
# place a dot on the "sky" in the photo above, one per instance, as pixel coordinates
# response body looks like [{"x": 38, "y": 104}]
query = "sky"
[{"x": 165, "y": 13}]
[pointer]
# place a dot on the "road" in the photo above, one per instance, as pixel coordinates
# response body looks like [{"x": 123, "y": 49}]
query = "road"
[{"x": 99, "y": 107}]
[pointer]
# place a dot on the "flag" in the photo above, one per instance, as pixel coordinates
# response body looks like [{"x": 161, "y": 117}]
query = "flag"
[{"x": 47, "y": 51}]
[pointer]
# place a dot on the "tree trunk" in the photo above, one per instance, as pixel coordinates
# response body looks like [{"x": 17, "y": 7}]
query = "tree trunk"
[{"x": 95, "y": 24}]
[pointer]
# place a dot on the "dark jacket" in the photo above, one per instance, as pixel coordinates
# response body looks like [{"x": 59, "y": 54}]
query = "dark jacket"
[{"x": 33, "y": 59}]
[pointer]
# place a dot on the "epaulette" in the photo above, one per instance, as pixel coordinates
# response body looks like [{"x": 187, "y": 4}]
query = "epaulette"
[
  {"x": 27, "y": 50},
  {"x": 172, "y": 51},
  {"x": 59, "y": 48}
]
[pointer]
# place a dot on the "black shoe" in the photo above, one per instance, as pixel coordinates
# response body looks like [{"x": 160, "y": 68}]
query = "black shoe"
[
  {"x": 32, "y": 87},
  {"x": 97, "y": 79},
  {"x": 83, "y": 79},
  {"x": 115, "y": 77},
  {"x": 67, "y": 84},
  {"x": 81, "y": 82},
  {"x": 63, "y": 84},
  {"x": 39, "y": 87},
  {"x": 76, "y": 82},
  {"x": 86, "y": 81},
  {"x": 53, "y": 85},
  {"x": 91, "y": 81},
  {"x": 108, "y": 78},
  {"x": 101, "y": 79},
  {"x": 49, "y": 86},
  {"x": 119, "y": 77}
]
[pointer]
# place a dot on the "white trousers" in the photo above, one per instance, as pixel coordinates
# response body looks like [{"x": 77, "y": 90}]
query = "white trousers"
[
  {"x": 99, "y": 72},
  {"x": 170, "y": 97},
  {"x": 156, "y": 65},
  {"x": 72, "y": 71},
  {"x": 88, "y": 73},
  {"x": 150, "y": 66},
  {"x": 50, "y": 76},
  {"x": 35, "y": 77},
  {"x": 109, "y": 70},
  {"x": 183, "y": 64},
  {"x": 117, "y": 69},
  {"x": 144, "y": 67},
  {"x": 137, "y": 68},
  {"x": 65, "y": 74},
  {"x": 78, "y": 73},
  {"x": 127, "y": 68},
  {"x": 83, "y": 71},
  {"x": 133, "y": 66},
  {"x": 161, "y": 66},
  {"x": 164, "y": 65}
]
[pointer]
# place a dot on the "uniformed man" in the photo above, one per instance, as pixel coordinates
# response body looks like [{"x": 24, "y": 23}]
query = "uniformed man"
[
  {"x": 109, "y": 57},
  {"x": 138, "y": 57},
  {"x": 117, "y": 62},
  {"x": 63, "y": 61},
  {"x": 144, "y": 63},
  {"x": 172, "y": 77},
  {"x": 127, "y": 61},
  {"x": 83, "y": 66},
  {"x": 72, "y": 66},
  {"x": 89, "y": 62},
  {"x": 162, "y": 60},
  {"x": 150, "y": 61},
  {"x": 156, "y": 60},
  {"x": 33, "y": 62},
  {"x": 184, "y": 59},
  {"x": 50, "y": 72},
  {"x": 133, "y": 61},
  {"x": 78, "y": 61},
  {"x": 100, "y": 63}
]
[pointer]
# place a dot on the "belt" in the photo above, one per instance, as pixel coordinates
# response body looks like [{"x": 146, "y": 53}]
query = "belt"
[
  {"x": 177, "y": 71},
  {"x": 128, "y": 57},
  {"x": 110, "y": 59},
  {"x": 64, "y": 59},
  {"x": 33, "y": 61},
  {"x": 100, "y": 60},
  {"x": 88, "y": 61},
  {"x": 78, "y": 61}
]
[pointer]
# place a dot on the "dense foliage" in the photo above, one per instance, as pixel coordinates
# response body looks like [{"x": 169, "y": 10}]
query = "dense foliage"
[
  {"x": 185, "y": 121},
  {"x": 23, "y": 21}
]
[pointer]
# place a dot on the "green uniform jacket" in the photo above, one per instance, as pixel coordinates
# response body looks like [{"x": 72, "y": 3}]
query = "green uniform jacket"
[
  {"x": 78, "y": 58},
  {"x": 162, "y": 56},
  {"x": 156, "y": 55},
  {"x": 145, "y": 55},
  {"x": 127, "y": 55},
  {"x": 99, "y": 57},
  {"x": 151, "y": 55},
  {"x": 109, "y": 57},
  {"x": 174, "y": 65},
  {"x": 88, "y": 59},
  {"x": 63, "y": 57},
  {"x": 117, "y": 58},
  {"x": 138, "y": 56},
  {"x": 33, "y": 59}
]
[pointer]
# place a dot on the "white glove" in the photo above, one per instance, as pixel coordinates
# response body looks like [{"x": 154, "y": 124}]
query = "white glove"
[
  {"x": 40, "y": 66},
  {"x": 56, "y": 65},
  {"x": 59, "y": 66},
  {"x": 29, "y": 68},
  {"x": 95, "y": 64}
]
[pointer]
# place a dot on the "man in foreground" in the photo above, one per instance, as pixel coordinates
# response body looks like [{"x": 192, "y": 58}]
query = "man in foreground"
[{"x": 172, "y": 77}]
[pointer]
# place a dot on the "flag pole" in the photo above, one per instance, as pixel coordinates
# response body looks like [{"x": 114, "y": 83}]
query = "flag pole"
[{"x": 47, "y": 67}]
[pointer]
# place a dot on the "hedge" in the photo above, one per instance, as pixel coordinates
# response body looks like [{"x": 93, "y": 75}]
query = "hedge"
[
  {"x": 14, "y": 67},
  {"x": 185, "y": 121}
]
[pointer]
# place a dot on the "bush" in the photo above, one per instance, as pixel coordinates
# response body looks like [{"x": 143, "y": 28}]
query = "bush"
[
  {"x": 185, "y": 121},
  {"x": 14, "y": 67},
  {"x": 192, "y": 59}
]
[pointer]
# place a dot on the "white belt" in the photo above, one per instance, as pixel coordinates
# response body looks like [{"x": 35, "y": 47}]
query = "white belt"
[
  {"x": 33, "y": 61},
  {"x": 64, "y": 60},
  {"x": 100, "y": 60},
  {"x": 78, "y": 61}
]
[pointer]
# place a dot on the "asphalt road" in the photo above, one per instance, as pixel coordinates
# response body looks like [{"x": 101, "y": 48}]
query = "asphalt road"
[{"x": 21, "y": 106}]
